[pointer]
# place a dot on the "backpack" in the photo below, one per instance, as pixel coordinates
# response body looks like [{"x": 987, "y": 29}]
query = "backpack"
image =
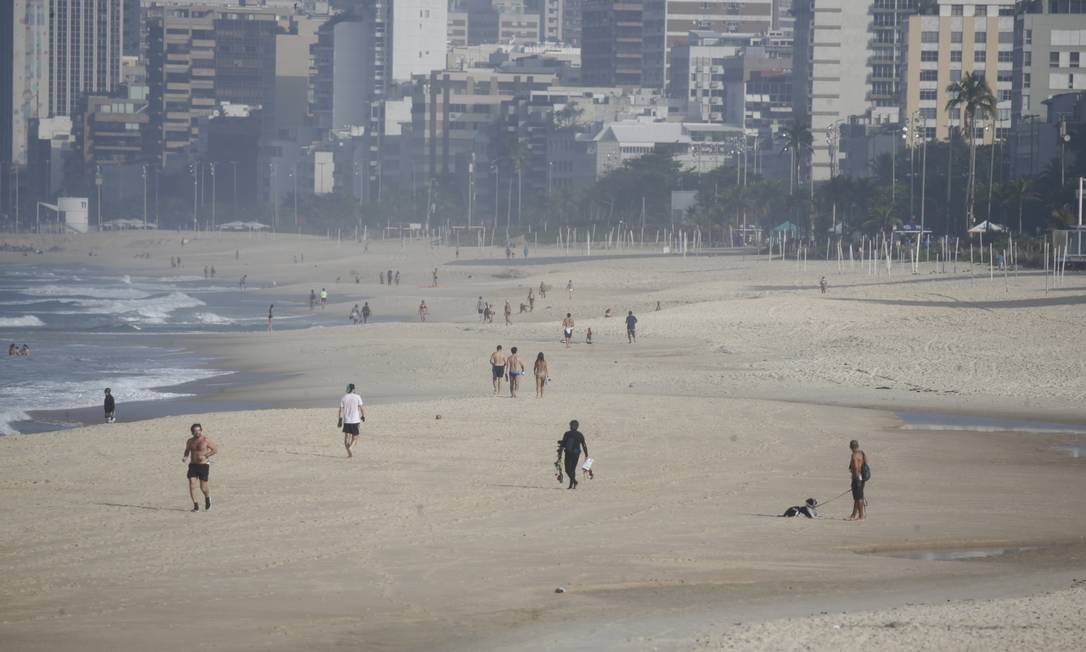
[{"x": 865, "y": 472}]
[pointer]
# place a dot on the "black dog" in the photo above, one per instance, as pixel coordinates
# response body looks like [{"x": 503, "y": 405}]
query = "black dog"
[{"x": 807, "y": 509}]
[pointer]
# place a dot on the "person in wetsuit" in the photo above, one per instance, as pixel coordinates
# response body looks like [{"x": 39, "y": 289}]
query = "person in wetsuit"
[{"x": 570, "y": 447}]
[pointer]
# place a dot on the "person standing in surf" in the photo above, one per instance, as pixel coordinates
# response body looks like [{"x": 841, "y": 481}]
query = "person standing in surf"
[{"x": 110, "y": 406}]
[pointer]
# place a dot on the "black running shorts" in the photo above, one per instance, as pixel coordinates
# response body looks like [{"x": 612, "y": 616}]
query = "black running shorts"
[
  {"x": 350, "y": 429},
  {"x": 199, "y": 471}
]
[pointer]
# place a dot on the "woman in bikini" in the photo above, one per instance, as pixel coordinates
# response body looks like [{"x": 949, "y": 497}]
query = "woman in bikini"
[{"x": 540, "y": 371}]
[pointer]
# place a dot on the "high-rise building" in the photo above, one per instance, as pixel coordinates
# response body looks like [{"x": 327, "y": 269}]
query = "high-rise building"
[
  {"x": 571, "y": 22},
  {"x": 84, "y": 52},
  {"x": 24, "y": 75},
  {"x": 848, "y": 67},
  {"x": 668, "y": 23},
  {"x": 611, "y": 42},
  {"x": 966, "y": 36},
  {"x": 199, "y": 57},
  {"x": 1050, "y": 52}
]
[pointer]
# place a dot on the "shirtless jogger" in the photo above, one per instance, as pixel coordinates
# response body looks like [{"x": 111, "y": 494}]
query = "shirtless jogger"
[
  {"x": 198, "y": 450},
  {"x": 497, "y": 369}
]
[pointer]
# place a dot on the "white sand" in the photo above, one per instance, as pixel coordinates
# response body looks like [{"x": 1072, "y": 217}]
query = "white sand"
[{"x": 452, "y": 533}]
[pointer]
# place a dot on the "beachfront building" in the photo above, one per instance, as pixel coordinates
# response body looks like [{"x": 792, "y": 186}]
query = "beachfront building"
[
  {"x": 965, "y": 36},
  {"x": 1049, "y": 57},
  {"x": 198, "y": 57},
  {"x": 848, "y": 62},
  {"x": 667, "y": 24}
]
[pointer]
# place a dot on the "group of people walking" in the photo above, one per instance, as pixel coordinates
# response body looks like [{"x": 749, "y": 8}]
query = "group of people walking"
[{"x": 511, "y": 367}]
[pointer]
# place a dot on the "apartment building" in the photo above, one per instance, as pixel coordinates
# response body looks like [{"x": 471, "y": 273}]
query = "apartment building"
[
  {"x": 1050, "y": 57},
  {"x": 199, "y": 57},
  {"x": 611, "y": 42},
  {"x": 966, "y": 36}
]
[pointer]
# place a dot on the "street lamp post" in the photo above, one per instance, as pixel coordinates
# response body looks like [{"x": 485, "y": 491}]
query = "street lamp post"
[
  {"x": 98, "y": 184},
  {"x": 195, "y": 169},
  {"x": 294, "y": 176},
  {"x": 234, "y": 197},
  {"x": 212, "y": 195},
  {"x": 274, "y": 195},
  {"x": 471, "y": 186},
  {"x": 143, "y": 173}
]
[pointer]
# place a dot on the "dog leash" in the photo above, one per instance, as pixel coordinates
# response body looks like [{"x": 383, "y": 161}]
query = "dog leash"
[{"x": 841, "y": 495}]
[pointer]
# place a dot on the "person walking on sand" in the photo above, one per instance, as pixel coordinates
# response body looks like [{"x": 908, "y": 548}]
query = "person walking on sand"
[
  {"x": 822, "y": 284},
  {"x": 354, "y": 316},
  {"x": 110, "y": 406},
  {"x": 856, "y": 464},
  {"x": 542, "y": 290},
  {"x": 324, "y": 298},
  {"x": 212, "y": 271},
  {"x": 569, "y": 288},
  {"x": 397, "y": 277},
  {"x": 352, "y": 412},
  {"x": 244, "y": 277},
  {"x": 435, "y": 277},
  {"x": 541, "y": 373},
  {"x": 631, "y": 327},
  {"x": 571, "y": 445},
  {"x": 381, "y": 276},
  {"x": 366, "y": 312},
  {"x": 271, "y": 315},
  {"x": 508, "y": 313},
  {"x": 567, "y": 329},
  {"x": 497, "y": 369},
  {"x": 312, "y": 299},
  {"x": 531, "y": 300},
  {"x": 424, "y": 310},
  {"x": 479, "y": 305},
  {"x": 198, "y": 450},
  {"x": 516, "y": 370}
]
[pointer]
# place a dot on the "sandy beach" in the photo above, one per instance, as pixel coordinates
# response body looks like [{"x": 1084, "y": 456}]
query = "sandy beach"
[{"x": 448, "y": 531}]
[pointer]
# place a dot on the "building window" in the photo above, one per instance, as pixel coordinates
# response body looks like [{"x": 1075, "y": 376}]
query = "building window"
[
  {"x": 1027, "y": 80},
  {"x": 1074, "y": 59},
  {"x": 956, "y": 56},
  {"x": 1027, "y": 59},
  {"x": 980, "y": 11},
  {"x": 930, "y": 75},
  {"x": 1004, "y": 96},
  {"x": 1029, "y": 37},
  {"x": 1006, "y": 57},
  {"x": 929, "y": 56},
  {"x": 981, "y": 38},
  {"x": 928, "y": 113},
  {"x": 980, "y": 56},
  {"x": 1053, "y": 59},
  {"x": 1005, "y": 76},
  {"x": 929, "y": 94},
  {"x": 955, "y": 37},
  {"x": 929, "y": 37},
  {"x": 956, "y": 10}
]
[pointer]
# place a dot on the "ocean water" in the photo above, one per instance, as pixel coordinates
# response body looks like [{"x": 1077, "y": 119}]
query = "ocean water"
[{"x": 89, "y": 330}]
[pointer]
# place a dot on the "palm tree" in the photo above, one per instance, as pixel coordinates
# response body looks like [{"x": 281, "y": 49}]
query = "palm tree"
[
  {"x": 974, "y": 99},
  {"x": 1020, "y": 191},
  {"x": 797, "y": 136}
]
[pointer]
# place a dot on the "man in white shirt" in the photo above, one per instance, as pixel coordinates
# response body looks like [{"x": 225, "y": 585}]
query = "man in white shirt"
[{"x": 351, "y": 413}]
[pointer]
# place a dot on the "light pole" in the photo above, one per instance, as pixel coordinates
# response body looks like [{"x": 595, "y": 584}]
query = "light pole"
[
  {"x": 294, "y": 176},
  {"x": 274, "y": 195},
  {"x": 212, "y": 195},
  {"x": 15, "y": 166},
  {"x": 520, "y": 186},
  {"x": 143, "y": 173},
  {"x": 471, "y": 186},
  {"x": 195, "y": 169},
  {"x": 98, "y": 184},
  {"x": 234, "y": 208}
]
